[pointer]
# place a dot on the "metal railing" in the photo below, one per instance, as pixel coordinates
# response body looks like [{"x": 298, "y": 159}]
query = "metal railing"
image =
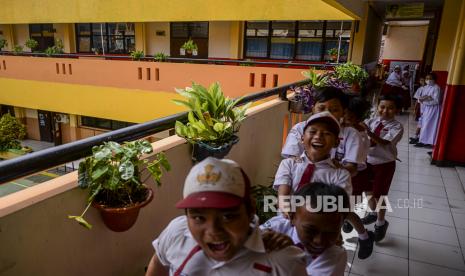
[
  {"x": 245, "y": 62},
  {"x": 41, "y": 160}
]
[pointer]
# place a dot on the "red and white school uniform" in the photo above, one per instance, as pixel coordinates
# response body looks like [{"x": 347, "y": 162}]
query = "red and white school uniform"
[
  {"x": 381, "y": 159},
  {"x": 177, "y": 249},
  {"x": 331, "y": 262},
  {"x": 298, "y": 171}
]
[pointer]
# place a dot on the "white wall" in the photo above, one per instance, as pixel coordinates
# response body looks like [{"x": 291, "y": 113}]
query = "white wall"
[
  {"x": 219, "y": 39},
  {"x": 405, "y": 42},
  {"x": 157, "y": 44}
]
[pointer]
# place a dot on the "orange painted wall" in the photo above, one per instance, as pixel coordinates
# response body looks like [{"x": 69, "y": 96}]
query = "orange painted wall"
[{"x": 235, "y": 80}]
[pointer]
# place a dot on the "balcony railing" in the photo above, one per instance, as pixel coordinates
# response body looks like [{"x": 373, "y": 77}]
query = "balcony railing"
[{"x": 41, "y": 160}]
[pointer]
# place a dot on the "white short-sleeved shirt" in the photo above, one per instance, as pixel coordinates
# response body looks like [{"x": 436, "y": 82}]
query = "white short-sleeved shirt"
[
  {"x": 392, "y": 131},
  {"x": 347, "y": 151},
  {"x": 364, "y": 147},
  {"x": 290, "y": 172},
  {"x": 176, "y": 242},
  {"x": 331, "y": 262}
]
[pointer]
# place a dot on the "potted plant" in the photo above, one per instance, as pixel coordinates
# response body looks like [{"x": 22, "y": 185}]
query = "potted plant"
[
  {"x": 137, "y": 55},
  {"x": 112, "y": 174},
  {"x": 189, "y": 47},
  {"x": 213, "y": 120},
  {"x": 352, "y": 74},
  {"x": 259, "y": 192},
  {"x": 160, "y": 57},
  {"x": 3, "y": 43},
  {"x": 17, "y": 49},
  {"x": 302, "y": 101},
  {"x": 333, "y": 53},
  {"x": 31, "y": 44}
]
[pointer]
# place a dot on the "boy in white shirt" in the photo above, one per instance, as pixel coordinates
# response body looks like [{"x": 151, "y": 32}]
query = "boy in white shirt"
[
  {"x": 384, "y": 132},
  {"x": 316, "y": 231},
  {"x": 219, "y": 234},
  {"x": 315, "y": 165}
]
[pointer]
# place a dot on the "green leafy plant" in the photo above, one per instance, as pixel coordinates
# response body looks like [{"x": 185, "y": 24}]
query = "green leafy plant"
[
  {"x": 350, "y": 73},
  {"x": 112, "y": 176},
  {"x": 160, "y": 57},
  {"x": 259, "y": 192},
  {"x": 17, "y": 49},
  {"x": 317, "y": 80},
  {"x": 137, "y": 55},
  {"x": 189, "y": 46},
  {"x": 32, "y": 44},
  {"x": 3, "y": 43},
  {"x": 333, "y": 52},
  {"x": 11, "y": 131},
  {"x": 55, "y": 49},
  {"x": 212, "y": 118}
]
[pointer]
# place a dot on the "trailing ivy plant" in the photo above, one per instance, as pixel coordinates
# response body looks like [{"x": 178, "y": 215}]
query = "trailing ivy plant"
[
  {"x": 112, "y": 176},
  {"x": 212, "y": 118},
  {"x": 11, "y": 131}
]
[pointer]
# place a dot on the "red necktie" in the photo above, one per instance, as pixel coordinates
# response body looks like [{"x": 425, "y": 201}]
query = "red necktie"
[
  {"x": 189, "y": 256},
  {"x": 377, "y": 133},
  {"x": 306, "y": 176}
]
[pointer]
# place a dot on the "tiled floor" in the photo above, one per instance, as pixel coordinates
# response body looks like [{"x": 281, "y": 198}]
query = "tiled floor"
[{"x": 428, "y": 237}]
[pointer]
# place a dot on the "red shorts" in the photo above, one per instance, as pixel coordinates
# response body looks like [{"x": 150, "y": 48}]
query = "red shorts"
[
  {"x": 361, "y": 182},
  {"x": 381, "y": 177}
]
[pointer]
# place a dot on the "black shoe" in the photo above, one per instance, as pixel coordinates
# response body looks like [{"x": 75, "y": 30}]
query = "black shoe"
[
  {"x": 366, "y": 246},
  {"x": 413, "y": 140},
  {"x": 428, "y": 146},
  {"x": 347, "y": 227},
  {"x": 419, "y": 145},
  {"x": 380, "y": 231},
  {"x": 369, "y": 219},
  {"x": 430, "y": 153}
]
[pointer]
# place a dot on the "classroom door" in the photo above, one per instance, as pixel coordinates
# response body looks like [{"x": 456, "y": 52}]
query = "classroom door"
[{"x": 45, "y": 126}]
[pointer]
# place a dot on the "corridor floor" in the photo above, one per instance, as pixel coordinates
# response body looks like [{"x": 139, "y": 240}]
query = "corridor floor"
[{"x": 426, "y": 234}]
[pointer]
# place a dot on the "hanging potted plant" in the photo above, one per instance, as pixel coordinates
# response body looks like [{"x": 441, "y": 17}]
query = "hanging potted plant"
[
  {"x": 112, "y": 174},
  {"x": 352, "y": 74},
  {"x": 189, "y": 47},
  {"x": 213, "y": 121},
  {"x": 302, "y": 101}
]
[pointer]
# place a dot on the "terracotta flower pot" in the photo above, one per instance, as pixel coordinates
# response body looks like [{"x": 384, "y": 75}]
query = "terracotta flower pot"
[
  {"x": 355, "y": 87},
  {"x": 121, "y": 219},
  {"x": 298, "y": 107}
]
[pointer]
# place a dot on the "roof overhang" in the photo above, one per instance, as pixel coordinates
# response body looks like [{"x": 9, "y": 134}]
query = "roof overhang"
[{"x": 82, "y": 11}]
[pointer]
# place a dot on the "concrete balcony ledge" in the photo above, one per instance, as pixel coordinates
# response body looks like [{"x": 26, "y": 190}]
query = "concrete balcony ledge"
[{"x": 35, "y": 219}]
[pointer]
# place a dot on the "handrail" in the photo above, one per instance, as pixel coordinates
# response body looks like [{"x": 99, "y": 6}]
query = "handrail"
[
  {"x": 172, "y": 59},
  {"x": 41, "y": 160}
]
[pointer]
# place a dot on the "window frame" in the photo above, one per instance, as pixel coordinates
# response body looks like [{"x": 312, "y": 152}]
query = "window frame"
[
  {"x": 106, "y": 35},
  {"x": 96, "y": 126},
  {"x": 296, "y": 37}
]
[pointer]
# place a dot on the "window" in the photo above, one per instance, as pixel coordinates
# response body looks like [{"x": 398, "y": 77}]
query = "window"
[
  {"x": 183, "y": 31},
  {"x": 116, "y": 38},
  {"x": 103, "y": 123},
  {"x": 43, "y": 34},
  {"x": 301, "y": 40}
]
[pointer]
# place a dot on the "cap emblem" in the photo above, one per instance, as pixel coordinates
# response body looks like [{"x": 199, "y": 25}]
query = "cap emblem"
[{"x": 209, "y": 177}]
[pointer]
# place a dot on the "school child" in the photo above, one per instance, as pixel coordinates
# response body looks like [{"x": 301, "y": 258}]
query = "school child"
[
  {"x": 431, "y": 101},
  {"x": 316, "y": 230},
  {"x": 384, "y": 132},
  {"x": 219, "y": 233},
  {"x": 418, "y": 110},
  {"x": 316, "y": 165},
  {"x": 357, "y": 111},
  {"x": 347, "y": 153}
]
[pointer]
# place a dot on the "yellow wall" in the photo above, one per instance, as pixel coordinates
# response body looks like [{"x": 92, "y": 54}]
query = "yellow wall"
[
  {"x": 405, "y": 42},
  {"x": 447, "y": 32},
  {"x": 158, "y": 43},
  {"x": 130, "y": 105},
  {"x": 82, "y": 11}
]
